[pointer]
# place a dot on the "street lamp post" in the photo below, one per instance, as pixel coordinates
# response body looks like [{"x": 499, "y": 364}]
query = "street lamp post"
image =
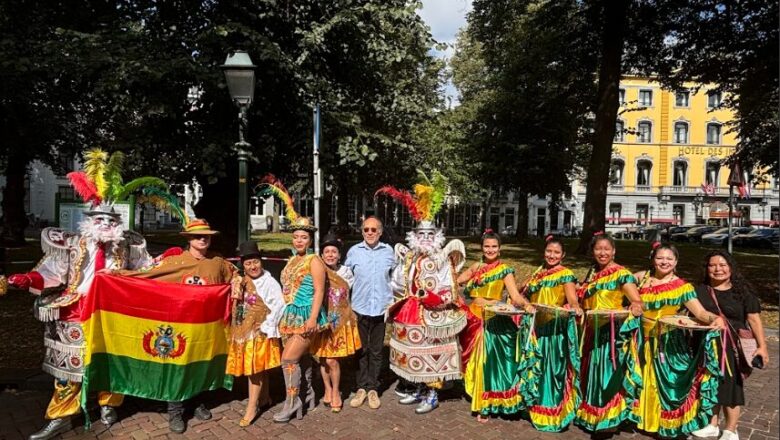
[
  {"x": 763, "y": 204},
  {"x": 698, "y": 202},
  {"x": 240, "y": 76}
]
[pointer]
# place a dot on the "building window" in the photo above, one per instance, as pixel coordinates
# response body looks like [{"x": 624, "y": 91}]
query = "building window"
[
  {"x": 616, "y": 172},
  {"x": 678, "y": 213},
  {"x": 334, "y": 203},
  {"x": 509, "y": 217},
  {"x": 614, "y": 213},
  {"x": 619, "y": 131},
  {"x": 641, "y": 214},
  {"x": 680, "y": 132},
  {"x": 643, "y": 168},
  {"x": 622, "y": 96},
  {"x": 680, "y": 173},
  {"x": 713, "y": 134},
  {"x": 66, "y": 193},
  {"x": 646, "y": 98},
  {"x": 645, "y": 132},
  {"x": 712, "y": 174},
  {"x": 713, "y": 100},
  {"x": 352, "y": 217},
  {"x": 681, "y": 99}
]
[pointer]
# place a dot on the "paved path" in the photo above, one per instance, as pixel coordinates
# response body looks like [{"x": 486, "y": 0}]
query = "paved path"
[{"x": 21, "y": 413}]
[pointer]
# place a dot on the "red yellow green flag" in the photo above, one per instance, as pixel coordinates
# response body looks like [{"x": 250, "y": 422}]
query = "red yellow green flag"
[{"x": 155, "y": 340}]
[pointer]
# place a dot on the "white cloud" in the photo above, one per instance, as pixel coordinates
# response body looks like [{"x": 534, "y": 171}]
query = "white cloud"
[{"x": 445, "y": 17}]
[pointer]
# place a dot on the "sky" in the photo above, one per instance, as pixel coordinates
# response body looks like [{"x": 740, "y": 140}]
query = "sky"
[{"x": 445, "y": 17}]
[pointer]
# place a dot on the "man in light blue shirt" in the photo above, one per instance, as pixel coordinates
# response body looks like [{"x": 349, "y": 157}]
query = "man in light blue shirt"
[{"x": 371, "y": 261}]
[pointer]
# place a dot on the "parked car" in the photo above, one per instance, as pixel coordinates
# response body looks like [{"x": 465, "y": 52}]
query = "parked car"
[
  {"x": 760, "y": 238},
  {"x": 693, "y": 235},
  {"x": 720, "y": 237},
  {"x": 678, "y": 229},
  {"x": 680, "y": 233},
  {"x": 509, "y": 231}
]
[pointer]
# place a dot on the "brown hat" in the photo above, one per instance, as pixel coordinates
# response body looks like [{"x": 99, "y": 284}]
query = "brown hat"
[{"x": 198, "y": 226}]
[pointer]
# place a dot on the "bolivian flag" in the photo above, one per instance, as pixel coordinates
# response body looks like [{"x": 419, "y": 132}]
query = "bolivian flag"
[{"x": 155, "y": 340}]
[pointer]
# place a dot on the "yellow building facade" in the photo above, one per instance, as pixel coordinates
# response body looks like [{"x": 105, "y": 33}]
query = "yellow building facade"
[{"x": 667, "y": 161}]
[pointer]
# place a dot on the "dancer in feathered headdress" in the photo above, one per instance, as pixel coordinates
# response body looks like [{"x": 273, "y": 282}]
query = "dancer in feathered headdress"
[
  {"x": 428, "y": 302},
  {"x": 305, "y": 312},
  {"x": 65, "y": 275}
]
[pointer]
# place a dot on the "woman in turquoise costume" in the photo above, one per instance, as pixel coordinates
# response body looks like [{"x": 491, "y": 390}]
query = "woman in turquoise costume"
[
  {"x": 303, "y": 288},
  {"x": 610, "y": 378},
  {"x": 550, "y": 385}
]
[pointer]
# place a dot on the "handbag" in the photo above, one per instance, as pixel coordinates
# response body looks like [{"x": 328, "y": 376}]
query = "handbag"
[{"x": 744, "y": 342}]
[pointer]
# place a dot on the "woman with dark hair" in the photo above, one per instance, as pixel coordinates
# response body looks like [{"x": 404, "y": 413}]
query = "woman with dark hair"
[
  {"x": 679, "y": 385},
  {"x": 724, "y": 291},
  {"x": 610, "y": 377},
  {"x": 342, "y": 338},
  {"x": 304, "y": 315},
  {"x": 550, "y": 385},
  {"x": 490, "y": 376}
]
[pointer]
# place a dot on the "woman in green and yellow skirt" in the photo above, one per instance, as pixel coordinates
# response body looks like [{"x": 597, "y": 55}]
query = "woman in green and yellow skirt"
[
  {"x": 491, "y": 375},
  {"x": 610, "y": 378},
  {"x": 550, "y": 385},
  {"x": 679, "y": 384}
]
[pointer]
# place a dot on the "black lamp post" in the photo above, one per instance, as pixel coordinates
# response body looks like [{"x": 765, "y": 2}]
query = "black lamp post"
[{"x": 240, "y": 76}]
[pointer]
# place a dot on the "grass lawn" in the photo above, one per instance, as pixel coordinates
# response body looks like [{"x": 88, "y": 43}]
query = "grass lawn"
[{"x": 18, "y": 325}]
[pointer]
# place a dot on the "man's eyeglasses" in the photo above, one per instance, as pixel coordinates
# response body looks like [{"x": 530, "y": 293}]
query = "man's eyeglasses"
[{"x": 370, "y": 229}]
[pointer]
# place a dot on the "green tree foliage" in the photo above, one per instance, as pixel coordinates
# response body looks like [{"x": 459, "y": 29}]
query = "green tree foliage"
[
  {"x": 528, "y": 100},
  {"x": 144, "y": 77}
]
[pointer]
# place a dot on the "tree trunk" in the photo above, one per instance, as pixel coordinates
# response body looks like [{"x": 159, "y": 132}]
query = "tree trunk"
[
  {"x": 14, "y": 218},
  {"x": 612, "y": 39},
  {"x": 522, "y": 215},
  {"x": 219, "y": 207}
]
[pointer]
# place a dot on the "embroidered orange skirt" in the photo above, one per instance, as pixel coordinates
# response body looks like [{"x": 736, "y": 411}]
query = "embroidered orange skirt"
[
  {"x": 253, "y": 356},
  {"x": 342, "y": 341}
]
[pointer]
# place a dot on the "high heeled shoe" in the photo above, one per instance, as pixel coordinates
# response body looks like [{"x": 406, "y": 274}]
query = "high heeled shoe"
[
  {"x": 292, "y": 402},
  {"x": 246, "y": 422},
  {"x": 286, "y": 414}
]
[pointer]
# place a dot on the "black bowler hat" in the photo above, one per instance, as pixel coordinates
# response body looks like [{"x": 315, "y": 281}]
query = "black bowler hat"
[
  {"x": 331, "y": 240},
  {"x": 248, "y": 249}
]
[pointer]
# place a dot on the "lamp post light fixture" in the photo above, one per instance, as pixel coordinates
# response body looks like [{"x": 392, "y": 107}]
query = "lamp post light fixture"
[
  {"x": 240, "y": 77},
  {"x": 698, "y": 202},
  {"x": 763, "y": 204}
]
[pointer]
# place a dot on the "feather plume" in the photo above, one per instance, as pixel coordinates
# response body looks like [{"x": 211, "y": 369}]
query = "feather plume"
[
  {"x": 114, "y": 174},
  {"x": 271, "y": 186},
  {"x": 136, "y": 184},
  {"x": 424, "y": 195},
  {"x": 84, "y": 187},
  {"x": 403, "y": 197},
  {"x": 164, "y": 200},
  {"x": 95, "y": 167},
  {"x": 439, "y": 183}
]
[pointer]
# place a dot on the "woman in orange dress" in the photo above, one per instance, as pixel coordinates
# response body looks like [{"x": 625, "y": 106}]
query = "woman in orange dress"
[
  {"x": 342, "y": 338},
  {"x": 255, "y": 347}
]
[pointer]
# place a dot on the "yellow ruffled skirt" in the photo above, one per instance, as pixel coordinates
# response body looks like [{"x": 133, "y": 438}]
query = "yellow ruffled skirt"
[
  {"x": 253, "y": 356},
  {"x": 340, "y": 342}
]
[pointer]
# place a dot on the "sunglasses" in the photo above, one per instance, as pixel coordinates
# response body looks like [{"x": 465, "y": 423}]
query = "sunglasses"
[{"x": 370, "y": 229}]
